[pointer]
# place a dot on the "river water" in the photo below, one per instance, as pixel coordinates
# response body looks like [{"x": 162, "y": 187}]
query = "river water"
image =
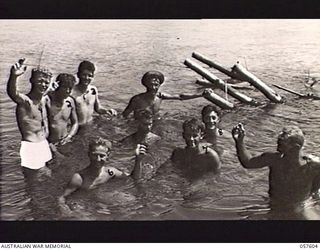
[{"x": 277, "y": 51}]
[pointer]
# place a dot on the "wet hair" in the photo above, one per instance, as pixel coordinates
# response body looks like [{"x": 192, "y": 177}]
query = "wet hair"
[
  {"x": 295, "y": 135},
  {"x": 151, "y": 74},
  {"x": 97, "y": 142},
  {"x": 86, "y": 65},
  {"x": 40, "y": 71},
  {"x": 208, "y": 109},
  {"x": 66, "y": 79},
  {"x": 144, "y": 113},
  {"x": 192, "y": 125}
]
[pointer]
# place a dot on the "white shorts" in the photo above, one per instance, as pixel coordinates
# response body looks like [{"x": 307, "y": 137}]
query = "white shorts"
[{"x": 34, "y": 155}]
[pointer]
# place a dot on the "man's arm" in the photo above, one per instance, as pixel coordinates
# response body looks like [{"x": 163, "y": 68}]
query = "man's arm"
[
  {"x": 74, "y": 184},
  {"x": 245, "y": 158},
  {"x": 98, "y": 107},
  {"x": 180, "y": 97},
  {"x": 16, "y": 70},
  {"x": 129, "y": 108},
  {"x": 74, "y": 124},
  {"x": 214, "y": 158},
  {"x": 44, "y": 104},
  {"x": 141, "y": 150}
]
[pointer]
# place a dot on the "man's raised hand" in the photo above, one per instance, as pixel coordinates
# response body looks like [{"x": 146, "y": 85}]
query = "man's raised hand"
[
  {"x": 18, "y": 68},
  {"x": 238, "y": 132}
]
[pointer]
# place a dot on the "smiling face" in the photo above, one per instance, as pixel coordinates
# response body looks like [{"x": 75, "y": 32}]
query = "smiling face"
[
  {"x": 40, "y": 82},
  {"x": 85, "y": 76},
  {"x": 153, "y": 84},
  {"x": 192, "y": 138},
  {"x": 192, "y": 133},
  {"x": 211, "y": 120}
]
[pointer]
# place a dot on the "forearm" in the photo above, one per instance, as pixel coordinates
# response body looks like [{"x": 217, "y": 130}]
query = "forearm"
[
  {"x": 12, "y": 87},
  {"x": 189, "y": 96},
  {"x": 74, "y": 129},
  {"x": 243, "y": 154},
  {"x": 136, "y": 172}
]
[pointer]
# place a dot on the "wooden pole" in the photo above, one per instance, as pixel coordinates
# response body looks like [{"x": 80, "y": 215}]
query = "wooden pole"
[
  {"x": 215, "y": 65},
  {"x": 256, "y": 82},
  {"x": 218, "y": 82},
  {"x": 218, "y": 100}
]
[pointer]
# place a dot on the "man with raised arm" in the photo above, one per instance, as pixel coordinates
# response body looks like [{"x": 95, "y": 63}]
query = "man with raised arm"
[
  {"x": 31, "y": 117},
  {"x": 292, "y": 174}
]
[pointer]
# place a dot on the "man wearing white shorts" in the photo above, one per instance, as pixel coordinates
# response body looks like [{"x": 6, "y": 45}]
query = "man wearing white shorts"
[{"x": 31, "y": 117}]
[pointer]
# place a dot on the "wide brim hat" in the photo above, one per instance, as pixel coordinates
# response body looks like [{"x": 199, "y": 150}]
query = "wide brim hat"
[{"x": 152, "y": 74}]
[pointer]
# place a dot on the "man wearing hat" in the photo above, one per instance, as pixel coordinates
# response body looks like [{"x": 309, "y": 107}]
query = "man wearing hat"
[{"x": 152, "y": 98}]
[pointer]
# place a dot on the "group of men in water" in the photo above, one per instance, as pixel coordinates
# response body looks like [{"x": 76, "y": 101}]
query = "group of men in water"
[{"x": 52, "y": 112}]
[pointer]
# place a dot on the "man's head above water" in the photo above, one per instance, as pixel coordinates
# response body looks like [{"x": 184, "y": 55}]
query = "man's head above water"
[
  {"x": 210, "y": 116},
  {"x": 99, "y": 150},
  {"x": 192, "y": 132},
  {"x": 290, "y": 138}
]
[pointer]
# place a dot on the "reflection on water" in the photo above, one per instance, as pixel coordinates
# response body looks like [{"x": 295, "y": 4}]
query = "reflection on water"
[{"x": 278, "y": 51}]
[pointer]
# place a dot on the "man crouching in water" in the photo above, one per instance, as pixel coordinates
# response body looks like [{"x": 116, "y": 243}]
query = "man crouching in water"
[
  {"x": 291, "y": 176},
  {"x": 97, "y": 172},
  {"x": 195, "y": 159},
  {"x": 32, "y": 119}
]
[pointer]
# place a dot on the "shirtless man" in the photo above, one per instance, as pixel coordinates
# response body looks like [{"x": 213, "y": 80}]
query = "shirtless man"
[
  {"x": 152, "y": 98},
  {"x": 195, "y": 159},
  {"x": 31, "y": 118},
  {"x": 97, "y": 172},
  {"x": 291, "y": 173},
  {"x": 86, "y": 95},
  {"x": 62, "y": 111},
  {"x": 211, "y": 118}
]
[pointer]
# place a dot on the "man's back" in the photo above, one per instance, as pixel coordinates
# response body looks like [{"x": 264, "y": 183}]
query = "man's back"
[{"x": 290, "y": 183}]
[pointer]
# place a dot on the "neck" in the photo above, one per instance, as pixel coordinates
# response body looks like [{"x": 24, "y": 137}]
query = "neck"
[
  {"x": 293, "y": 156},
  {"x": 58, "y": 99},
  {"x": 151, "y": 93},
  {"x": 193, "y": 150},
  {"x": 211, "y": 131},
  {"x": 34, "y": 96},
  {"x": 82, "y": 87}
]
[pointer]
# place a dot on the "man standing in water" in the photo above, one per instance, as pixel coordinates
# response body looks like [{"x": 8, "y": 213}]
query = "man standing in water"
[
  {"x": 152, "y": 98},
  {"x": 291, "y": 175},
  {"x": 31, "y": 118},
  {"x": 86, "y": 95},
  {"x": 62, "y": 111},
  {"x": 195, "y": 159}
]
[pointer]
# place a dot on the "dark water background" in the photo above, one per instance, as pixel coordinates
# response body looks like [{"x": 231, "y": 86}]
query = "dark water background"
[{"x": 277, "y": 51}]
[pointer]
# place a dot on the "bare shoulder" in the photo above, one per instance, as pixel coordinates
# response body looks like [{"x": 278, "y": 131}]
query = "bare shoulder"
[
  {"x": 70, "y": 101},
  {"x": 312, "y": 160},
  {"x": 76, "y": 180},
  {"x": 93, "y": 89}
]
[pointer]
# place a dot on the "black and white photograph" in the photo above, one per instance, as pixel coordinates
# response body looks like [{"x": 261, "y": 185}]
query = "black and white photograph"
[{"x": 160, "y": 120}]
